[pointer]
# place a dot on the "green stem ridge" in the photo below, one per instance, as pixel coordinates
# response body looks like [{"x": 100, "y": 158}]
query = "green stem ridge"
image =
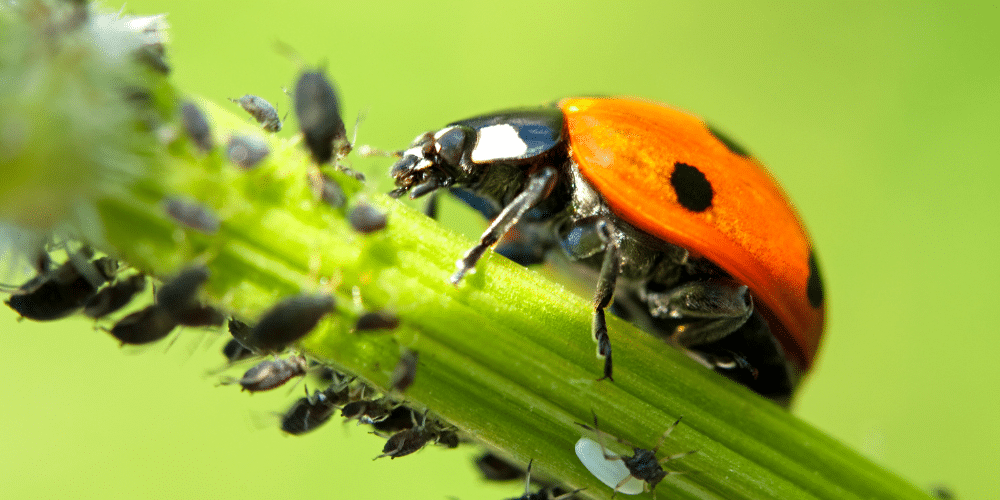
[{"x": 505, "y": 355}]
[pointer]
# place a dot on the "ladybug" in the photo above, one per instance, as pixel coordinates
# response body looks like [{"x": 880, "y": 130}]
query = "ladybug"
[{"x": 691, "y": 236}]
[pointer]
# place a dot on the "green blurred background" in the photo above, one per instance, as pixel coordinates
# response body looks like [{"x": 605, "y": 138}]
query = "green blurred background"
[{"x": 879, "y": 119}]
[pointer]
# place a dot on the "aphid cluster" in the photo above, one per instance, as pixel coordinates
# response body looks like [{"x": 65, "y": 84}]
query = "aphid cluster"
[
  {"x": 417, "y": 435},
  {"x": 57, "y": 292},
  {"x": 405, "y": 430},
  {"x": 98, "y": 287}
]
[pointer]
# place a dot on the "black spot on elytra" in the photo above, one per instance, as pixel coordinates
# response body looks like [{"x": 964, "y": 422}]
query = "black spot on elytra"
[
  {"x": 694, "y": 192},
  {"x": 733, "y": 146},
  {"x": 814, "y": 285}
]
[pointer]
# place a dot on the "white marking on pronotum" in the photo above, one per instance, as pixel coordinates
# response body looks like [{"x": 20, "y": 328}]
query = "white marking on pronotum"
[
  {"x": 498, "y": 142},
  {"x": 611, "y": 471}
]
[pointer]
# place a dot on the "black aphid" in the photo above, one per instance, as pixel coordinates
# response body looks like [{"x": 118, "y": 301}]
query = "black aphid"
[
  {"x": 331, "y": 193},
  {"x": 417, "y": 436},
  {"x": 376, "y": 320},
  {"x": 399, "y": 419},
  {"x": 179, "y": 297},
  {"x": 199, "y": 315},
  {"x": 307, "y": 414},
  {"x": 154, "y": 56},
  {"x": 115, "y": 296},
  {"x": 368, "y": 411},
  {"x": 260, "y": 110},
  {"x": 318, "y": 110},
  {"x": 496, "y": 468},
  {"x": 192, "y": 215},
  {"x": 181, "y": 291},
  {"x": 62, "y": 291},
  {"x": 365, "y": 218},
  {"x": 407, "y": 441},
  {"x": 273, "y": 373},
  {"x": 405, "y": 371},
  {"x": 196, "y": 126},
  {"x": 144, "y": 326},
  {"x": 286, "y": 322},
  {"x": 234, "y": 351},
  {"x": 447, "y": 437},
  {"x": 246, "y": 151},
  {"x": 314, "y": 410}
]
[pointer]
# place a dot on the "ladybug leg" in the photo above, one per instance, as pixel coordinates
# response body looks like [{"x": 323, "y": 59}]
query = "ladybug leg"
[
  {"x": 431, "y": 207},
  {"x": 707, "y": 311},
  {"x": 610, "y": 268},
  {"x": 538, "y": 187},
  {"x": 526, "y": 243}
]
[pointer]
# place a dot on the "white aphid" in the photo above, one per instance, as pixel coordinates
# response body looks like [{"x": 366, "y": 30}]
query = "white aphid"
[{"x": 611, "y": 471}]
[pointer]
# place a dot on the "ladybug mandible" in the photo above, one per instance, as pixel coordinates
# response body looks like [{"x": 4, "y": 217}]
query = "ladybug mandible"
[{"x": 691, "y": 236}]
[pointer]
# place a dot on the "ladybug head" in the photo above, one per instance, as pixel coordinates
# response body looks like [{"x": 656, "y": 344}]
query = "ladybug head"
[{"x": 434, "y": 160}]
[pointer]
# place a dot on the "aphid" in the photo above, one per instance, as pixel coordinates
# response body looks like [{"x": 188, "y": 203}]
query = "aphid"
[
  {"x": 366, "y": 219},
  {"x": 407, "y": 441},
  {"x": 115, "y": 296},
  {"x": 179, "y": 297},
  {"x": 286, "y": 322},
  {"x": 331, "y": 193},
  {"x": 308, "y": 413},
  {"x": 318, "y": 110},
  {"x": 542, "y": 494},
  {"x": 273, "y": 373},
  {"x": 340, "y": 392},
  {"x": 150, "y": 324},
  {"x": 192, "y": 215},
  {"x": 629, "y": 475},
  {"x": 399, "y": 419},
  {"x": 326, "y": 374},
  {"x": 447, "y": 437},
  {"x": 260, "y": 110},
  {"x": 495, "y": 468},
  {"x": 943, "y": 493},
  {"x": 154, "y": 56},
  {"x": 376, "y": 320},
  {"x": 181, "y": 291},
  {"x": 196, "y": 126},
  {"x": 405, "y": 371},
  {"x": 152, "y": 51},
  {"x": 63, "y": 291},
  {"x": 234, "y": 351},
  {"x": 199, "y": 315},
  {"x": 246, "y": 151},
  {"x": 368, "y": 411}
]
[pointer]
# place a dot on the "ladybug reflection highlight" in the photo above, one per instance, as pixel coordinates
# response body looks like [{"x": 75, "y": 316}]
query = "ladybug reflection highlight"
[{"x": 692, "y": 238}]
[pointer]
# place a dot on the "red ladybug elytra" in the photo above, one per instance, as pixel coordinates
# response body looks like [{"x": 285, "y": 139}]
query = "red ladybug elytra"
[{"x": 692, "y": 237}]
